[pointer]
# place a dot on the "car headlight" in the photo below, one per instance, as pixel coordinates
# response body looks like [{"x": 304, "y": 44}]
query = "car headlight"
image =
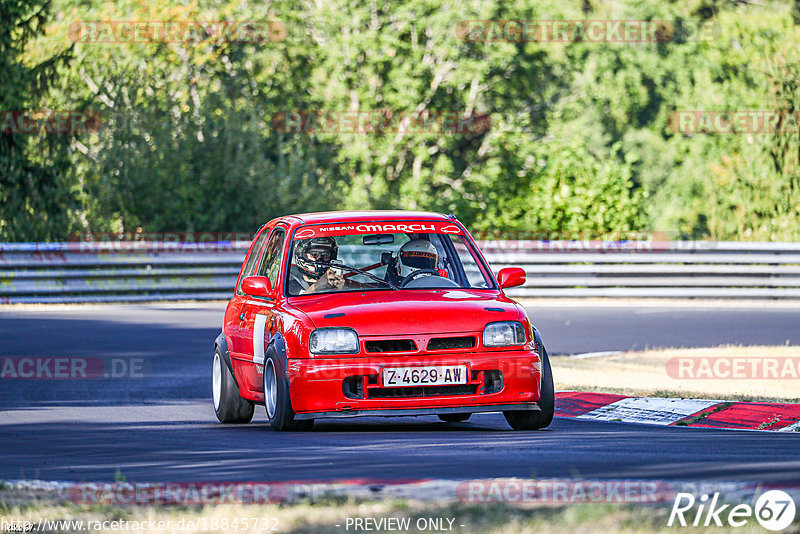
[
  {"x": 504, "y": 334},
  {"x": 333, "y": 341}
]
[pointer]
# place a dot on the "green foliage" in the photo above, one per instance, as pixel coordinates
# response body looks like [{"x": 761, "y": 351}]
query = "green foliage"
[
  {"x": 580, "y": 139},
  {"x": 37, "y": 200},
  {"x": 188, "y": 144},
  {"x": 569, "y": 192}
]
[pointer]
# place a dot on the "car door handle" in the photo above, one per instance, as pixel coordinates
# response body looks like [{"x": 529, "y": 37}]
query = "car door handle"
[{"x": 241, "y": 316}]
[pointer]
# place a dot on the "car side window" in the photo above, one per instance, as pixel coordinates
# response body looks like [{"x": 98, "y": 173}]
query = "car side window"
[
  {"x": 475, "y": 275},
  {"x": 252, "y": 260},
  {"x": 272, "y": 257}
]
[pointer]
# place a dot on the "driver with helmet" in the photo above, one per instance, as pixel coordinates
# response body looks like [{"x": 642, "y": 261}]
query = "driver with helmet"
[
  {"x": 306, "y": 274},
  {"x": 417, "y": 254}
]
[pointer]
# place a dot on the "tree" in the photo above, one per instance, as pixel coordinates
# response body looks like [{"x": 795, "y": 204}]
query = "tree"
[{"x": 37, "y": 195}]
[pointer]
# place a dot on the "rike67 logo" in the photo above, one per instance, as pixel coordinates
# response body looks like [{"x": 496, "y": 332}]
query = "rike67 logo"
[{"x": 774, "y": 510}]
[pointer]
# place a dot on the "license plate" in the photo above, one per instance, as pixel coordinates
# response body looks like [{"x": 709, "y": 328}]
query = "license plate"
[{"x": 425, "y": 376}]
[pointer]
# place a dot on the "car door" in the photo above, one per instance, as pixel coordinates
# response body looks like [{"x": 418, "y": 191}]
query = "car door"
[
  {"x": 238, "y": 349},
  {"x": 258, "y": 318}
]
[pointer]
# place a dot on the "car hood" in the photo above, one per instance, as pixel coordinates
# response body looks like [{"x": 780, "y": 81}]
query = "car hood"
[{"x": 408, "y": 311}]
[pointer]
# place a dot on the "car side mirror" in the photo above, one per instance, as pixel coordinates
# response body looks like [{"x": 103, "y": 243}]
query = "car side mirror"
[
  {"x": 511, "y": 277},
  {"x": 257, "y": 286}
]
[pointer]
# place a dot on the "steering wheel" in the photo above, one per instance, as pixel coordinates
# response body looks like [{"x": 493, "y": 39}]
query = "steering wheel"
[{"x": 416, "y": 274}]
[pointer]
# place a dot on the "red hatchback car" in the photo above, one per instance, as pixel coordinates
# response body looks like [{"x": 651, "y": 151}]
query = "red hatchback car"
[{"x": 376, "y": 313}]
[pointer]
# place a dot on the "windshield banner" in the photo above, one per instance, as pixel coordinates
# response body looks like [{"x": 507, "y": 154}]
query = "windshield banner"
[{"x": 404, "y": 227}]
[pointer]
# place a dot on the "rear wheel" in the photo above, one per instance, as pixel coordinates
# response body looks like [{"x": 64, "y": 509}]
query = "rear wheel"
[
  {"x": 276, "y": 397},
  {"x": 455, "y": 417},
  {"x": 228, "y": 405},
  {"x": 535, "y": 420}
]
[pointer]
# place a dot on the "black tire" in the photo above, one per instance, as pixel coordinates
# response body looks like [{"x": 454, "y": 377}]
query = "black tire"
[
  {"x": 228, "y": 405},
  {"x": 455, "y": 417},
  {"x": 277, "y": 402},
  {"x": 536, "y": 420}
]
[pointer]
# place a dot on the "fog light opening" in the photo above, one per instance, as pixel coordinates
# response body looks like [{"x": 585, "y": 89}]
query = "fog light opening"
[{"x": 492, "y": 381}]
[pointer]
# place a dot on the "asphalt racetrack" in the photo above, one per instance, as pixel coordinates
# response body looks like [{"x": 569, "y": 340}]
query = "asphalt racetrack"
[{"x": 161, "y": 426}]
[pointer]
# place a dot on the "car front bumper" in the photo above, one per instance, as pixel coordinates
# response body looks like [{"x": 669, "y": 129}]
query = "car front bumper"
[{"x": 317, "y": 385}]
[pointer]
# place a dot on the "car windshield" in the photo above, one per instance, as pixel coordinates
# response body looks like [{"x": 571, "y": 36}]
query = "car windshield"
[{"x": 358, "y": 257}]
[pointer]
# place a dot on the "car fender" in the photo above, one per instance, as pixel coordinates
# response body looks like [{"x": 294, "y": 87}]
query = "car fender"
[
  {"x": 542, "y": 351},
  {"x": 278, "y": 343},
  {"x": 537, "y": 339},
  {"x": 222, "y": 344}
]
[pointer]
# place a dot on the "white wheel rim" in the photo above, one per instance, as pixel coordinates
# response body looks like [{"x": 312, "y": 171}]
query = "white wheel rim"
[
  {"x": 270, "y": 389},
  {"x": 216, "y": 380}
]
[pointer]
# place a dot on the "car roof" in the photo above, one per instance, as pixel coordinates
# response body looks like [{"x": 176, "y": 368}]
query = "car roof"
[{"x": 368, "y": 216}]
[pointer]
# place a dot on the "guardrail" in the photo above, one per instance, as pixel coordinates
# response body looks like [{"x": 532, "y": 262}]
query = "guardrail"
[
  {"x": 646, "y": 269},
  {"x": 118, "y": 271},
  {"x": 140, "y": 271}
]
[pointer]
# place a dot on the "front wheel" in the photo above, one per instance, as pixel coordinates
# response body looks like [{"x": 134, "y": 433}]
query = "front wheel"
[
  {"x": 535, "y": 420},
  {"x": 228, "y": 405},
  {"x": 276, "y": 398}
]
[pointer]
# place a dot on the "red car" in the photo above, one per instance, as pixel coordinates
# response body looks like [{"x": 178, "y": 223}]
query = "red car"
[{"x": 376, "y": 313}]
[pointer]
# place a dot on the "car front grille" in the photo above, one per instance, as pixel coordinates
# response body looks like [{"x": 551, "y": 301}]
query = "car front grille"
[
  {"x": 444, "y": 343},
  {"x": 422, "y": 391},
  {"x": 390, "y": 345}
]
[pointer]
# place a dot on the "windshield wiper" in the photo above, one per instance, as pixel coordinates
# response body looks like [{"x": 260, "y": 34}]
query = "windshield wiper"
[{"x": 360, "y": 271}]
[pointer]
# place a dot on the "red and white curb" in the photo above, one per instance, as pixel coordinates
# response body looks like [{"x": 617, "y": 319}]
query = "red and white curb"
[{"x": 779, "y": 417}]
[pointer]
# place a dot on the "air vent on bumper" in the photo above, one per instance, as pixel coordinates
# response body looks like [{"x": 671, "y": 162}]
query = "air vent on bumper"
[
  {"x": 492, "y": 382},
  {"x": 425, "y": 391},
  {"x": 390, "y": 345},
  {"x": 445, "y": 343}
]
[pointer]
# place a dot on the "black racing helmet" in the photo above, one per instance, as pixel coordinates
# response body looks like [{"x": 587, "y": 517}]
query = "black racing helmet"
[{"x": 322, "y": 249}]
